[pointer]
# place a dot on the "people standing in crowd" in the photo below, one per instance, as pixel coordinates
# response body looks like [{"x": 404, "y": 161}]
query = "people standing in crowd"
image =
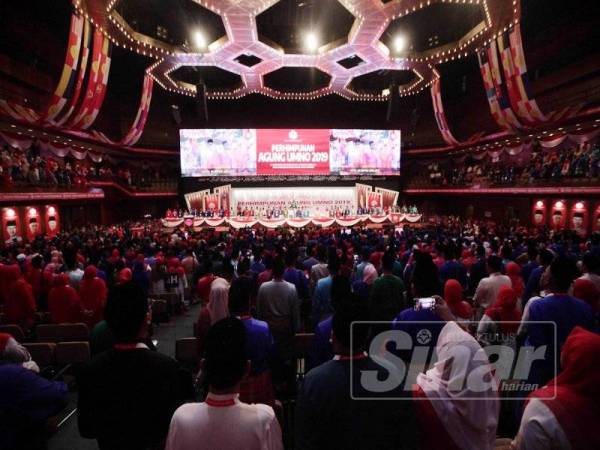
[
  {"x": 64, "y": 305},
  {"x": 319, "y": 270},
  {"x": 488, "y": 288},
  {"x": 222, "y": 421},
  {"x": 565, "y": 311},
  {"x": 563, "y": 413},
  {"x": 321, "y": 301},
  {"x": 93, "y": 294},
  {"x": 326, "y": 414},
  {"x": 19, "y": 304},
  {"x": 452, "y": 267},
  {"x": 128, "y": 394},
  {"x": 387, "y": 296},
  {"x": 532, "y": 288},
  {"x": 500, "y": 323},
  {"x": 590, "y": 266},
  {"x": 513, "y": 271}
]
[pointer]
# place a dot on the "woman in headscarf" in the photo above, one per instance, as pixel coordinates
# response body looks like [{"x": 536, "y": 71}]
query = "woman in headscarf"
[
  {"x": 500, "y": 323},
  {"x": 216, "y": 309},
  {"x": 586, "y": 290},
  {"x": 19, "y": 306},
  {"x": 453, "y": 295},
  {"x": 92, "y": 292},
  {"x": 564, "y": 413},
  {"x": 454, "y": 409},
  {"x": 63, "y": 301},
  {"x": 363, "y": 287},
  {"x": 513, "y": 271}
]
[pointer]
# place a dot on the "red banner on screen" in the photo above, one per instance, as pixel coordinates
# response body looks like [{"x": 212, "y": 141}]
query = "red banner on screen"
[{"x": 292, "y": 152}]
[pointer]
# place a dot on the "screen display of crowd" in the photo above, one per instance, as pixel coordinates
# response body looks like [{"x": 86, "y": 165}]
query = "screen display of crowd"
[{"x": 247, "y": 152}]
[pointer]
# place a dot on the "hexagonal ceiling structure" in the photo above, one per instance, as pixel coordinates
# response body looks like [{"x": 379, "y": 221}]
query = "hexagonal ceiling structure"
[{"x": 348, "y": 40}]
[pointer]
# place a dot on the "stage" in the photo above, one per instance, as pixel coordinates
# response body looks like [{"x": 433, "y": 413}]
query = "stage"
[{"x": 324, "y": 222}]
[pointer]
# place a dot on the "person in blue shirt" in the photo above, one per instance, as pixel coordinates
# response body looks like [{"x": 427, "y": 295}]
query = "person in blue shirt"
[
  {"x": 321, "y": 301},
  {"x": 530, "y": 265},
  {"x": 532, "y": 288},
  {"x": 26, "y": 401},
  {"x": 452, "y": 268},
  {"x": 295, "y": 276},
  {"x": 260, "y": 347},
  {"x": 321, "y": 349},
  {"x": 559, "y": 307}
]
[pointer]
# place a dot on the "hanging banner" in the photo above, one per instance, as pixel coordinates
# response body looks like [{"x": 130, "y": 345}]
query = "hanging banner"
[
  {"x": 195, "y": 200},
  {"x": 33, "y": 225},
  {"x": 375, "y": 201},
  {"x": 362, "y": 195},
  {"x": 52, "y": 220},
  {"x": 66, "y": 85},
  {"x": 558, "y": 220},
  {"x": 11, "y": 225},
  {"x": 389, "y": 198},
  {"x": 101, "y": 85},
  {"x": 440, "y": 116},
  {"x": 538, "y": 213},
  {"x": 85, "y": 55},
  {"x": 579, "y": 218},
  {"x": 224, "y": 193},
  {"x": 93, "y": 78},
  {"x": 499, "y": 107}
]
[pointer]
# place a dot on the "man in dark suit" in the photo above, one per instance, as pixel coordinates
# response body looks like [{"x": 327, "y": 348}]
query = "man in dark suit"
[
  {"x": 127, "y": 395},
  {"x": 333, "y": 413}
]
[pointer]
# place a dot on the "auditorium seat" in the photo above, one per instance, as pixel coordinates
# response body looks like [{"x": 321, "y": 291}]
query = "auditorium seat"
[
  {"x": 72, "y": 353},
  {"x": 186, "y": 352},
  {"x": 14, "y": 330},
  {"x": 43, "y": 353},
  {"x": 62, "y": 332}
]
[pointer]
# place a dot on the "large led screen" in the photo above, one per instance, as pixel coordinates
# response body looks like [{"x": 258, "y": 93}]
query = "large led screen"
[{"x": 234, "y": 152}]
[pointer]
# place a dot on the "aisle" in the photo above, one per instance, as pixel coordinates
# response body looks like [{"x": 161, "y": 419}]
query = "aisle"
[{"x": 166, "y": 334}]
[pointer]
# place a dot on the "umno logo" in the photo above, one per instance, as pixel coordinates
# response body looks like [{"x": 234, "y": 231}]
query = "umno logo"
[{"x": 293, "y": 135}]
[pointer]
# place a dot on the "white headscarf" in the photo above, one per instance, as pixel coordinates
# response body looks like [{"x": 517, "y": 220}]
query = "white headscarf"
[
  {"x": 218, "y": 298},
  {"x": 470, "y": 417}
]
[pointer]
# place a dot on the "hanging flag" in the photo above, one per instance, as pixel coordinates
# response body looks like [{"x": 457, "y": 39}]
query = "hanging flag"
[
  {"x": 66, "y": 85},
  {"x": 440, "y": 116}
]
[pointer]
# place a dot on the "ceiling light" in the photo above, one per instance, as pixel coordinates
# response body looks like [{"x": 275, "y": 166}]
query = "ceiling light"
[
  {"x": 199, "y": 40},
  {"x": 399, "y": 43},
  {"x": 311, "y": 42},
  {"x": 385, "y": 92}
]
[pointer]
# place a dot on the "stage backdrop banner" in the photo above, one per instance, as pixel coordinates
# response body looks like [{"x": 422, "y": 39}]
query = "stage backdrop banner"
[
  {"x": 292, "y": 152},
  {"x": 317, "y": 200}
]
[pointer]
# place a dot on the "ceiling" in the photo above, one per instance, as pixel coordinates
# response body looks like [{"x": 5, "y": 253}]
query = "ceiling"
[{"x": 34, "y": 32}]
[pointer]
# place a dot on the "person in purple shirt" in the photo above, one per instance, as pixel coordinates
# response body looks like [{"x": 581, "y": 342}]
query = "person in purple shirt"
[
  {"x": 259, "y": 341},
  {"x": 452, "y": 268},
  {"x": 565, "y": 311},
  {"x": 295, "y": 276},
  {"x": 26, "y": 401},
  {"x": 321, "y": 349}
]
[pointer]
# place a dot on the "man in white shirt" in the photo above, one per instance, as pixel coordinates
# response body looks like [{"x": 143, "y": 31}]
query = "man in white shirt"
[
  {"x": 488, "y": 288},
  {"x": 223, "y": 422}
]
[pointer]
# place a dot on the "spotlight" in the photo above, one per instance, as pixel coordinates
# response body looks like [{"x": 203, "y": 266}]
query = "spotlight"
[
  {"x": 311, "y": 42},
  {"x": 578, "y": 205},
  {"x": 559, "y": 205},
  {"x": 199, "y": 40},
  {"x": 539, "y": 204},
  {"x": 385, "y": 92},
  {"x": 399, "y": 43}
]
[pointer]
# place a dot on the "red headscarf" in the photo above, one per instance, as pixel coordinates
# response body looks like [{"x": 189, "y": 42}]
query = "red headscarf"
[
  {"x": 587, "y": 291},
  {"x": 574, "y": 395},
  {"x": 63, "y": 301},
  {"x": 92, "y": 291},
  {"x": 453, "y": 295},
  {"x": 125, "y": 275},
  {"x": 513, "y": 271},
  {"x": 505, "y": 309},
  {"x": 19, "y": 302}
]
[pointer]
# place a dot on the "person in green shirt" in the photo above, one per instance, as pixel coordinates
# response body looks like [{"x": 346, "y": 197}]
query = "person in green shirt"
[{"x": 388, "y": 292}]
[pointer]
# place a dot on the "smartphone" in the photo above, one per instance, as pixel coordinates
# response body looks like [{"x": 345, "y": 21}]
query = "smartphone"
[{"x": 425, "y": 303}]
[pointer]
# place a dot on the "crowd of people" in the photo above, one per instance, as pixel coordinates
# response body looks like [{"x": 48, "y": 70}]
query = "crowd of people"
[
  {"x": 578, "y": 162},
  {"x": 463, "y": 286},
  {"x": 32, "y": 169}
]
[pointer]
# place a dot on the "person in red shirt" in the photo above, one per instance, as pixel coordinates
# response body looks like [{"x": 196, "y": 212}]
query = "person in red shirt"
[
  {"x": 63, "y": 301},
  {"x": 92, "y": 293},
  {"x": 19, "y": 307},
  {"x": 35, "y": 278},
  {"x": 204, "y": 283}
]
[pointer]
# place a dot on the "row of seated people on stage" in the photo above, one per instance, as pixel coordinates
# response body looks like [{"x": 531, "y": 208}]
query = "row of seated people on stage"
[
  {"x": 29, "y": 168},
  {"x": 580, "y": 162},
  {"x": 290, "y": 213},
  {"x": 259, "y": 288}
]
